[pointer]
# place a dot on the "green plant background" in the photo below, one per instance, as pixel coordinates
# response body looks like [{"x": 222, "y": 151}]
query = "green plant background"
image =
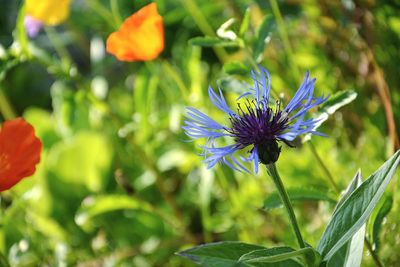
[{"x": 118, "y": 183}]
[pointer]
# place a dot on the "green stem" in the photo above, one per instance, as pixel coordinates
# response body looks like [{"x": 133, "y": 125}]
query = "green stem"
[
  {"x": 324, "y": 168},
  {"x": 102, "y": 12},
  {"x": 115, "y": 13},
  {"x": 3, "y": 261},
  {"x": 5, "y": 107},
  {"x": 273, "y": 172},
  {"x": 375, "y": 257},
  {"x": 284, "y": 36},
  {"x": 176, "y": 77},
  {"x": 59, "y": 46}
]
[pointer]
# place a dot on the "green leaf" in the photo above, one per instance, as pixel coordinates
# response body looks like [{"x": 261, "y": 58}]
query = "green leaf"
[
  {"x": 377, "y": 218},
  {"x": 234, "y": 85},
  {"x": 350, "y": 254},
  {"x": 355, "y": 210},
  {"x": 279, "y": 256},
  {"x": 236, "y": 67},
  {"x": 245, "y": 22},
  {"x": 354, "y": 184},
  {"x": 220, "y": 254},
  {"x": 95, "y": 206},
  {"x": 337, "y": 101},
  {"x": 262, "y": 37},
  {"x": 209, "y": 41},
  {"x": 334, "y": 102},
  {"x": 84, "y": 161},
  {"x": 298, "y": 195}
]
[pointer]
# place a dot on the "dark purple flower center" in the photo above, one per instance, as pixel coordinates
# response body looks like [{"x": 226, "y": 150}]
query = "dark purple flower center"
[{"x": 259, "y": 126}]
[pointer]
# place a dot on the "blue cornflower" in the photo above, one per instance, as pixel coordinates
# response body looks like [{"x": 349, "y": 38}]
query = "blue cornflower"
[{"x": 255, "y": 125}]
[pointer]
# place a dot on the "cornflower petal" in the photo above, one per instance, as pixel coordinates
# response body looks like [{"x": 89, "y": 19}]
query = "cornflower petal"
[
  {"x": 202, "y": 119},
  {"x": 198, "y": 125},
  {"x": 317, "y": 101},
  {"x": 262, "y": 79},
  {"x": 224, "y": 155},
  {"x": 301, "y": 94},
  {"x": 219, "y": 101}
]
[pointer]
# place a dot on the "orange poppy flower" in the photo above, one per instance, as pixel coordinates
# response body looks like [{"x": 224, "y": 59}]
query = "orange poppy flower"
[
  {"x": 19, "y": 152},
  {"x": 140, "y": 37}
]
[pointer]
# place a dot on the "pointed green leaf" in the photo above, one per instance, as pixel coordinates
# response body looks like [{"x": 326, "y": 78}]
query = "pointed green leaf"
[
  {"x": 377, "y": 219},
  {"x": 298, "y": 195},
  {"x": 245, "y": 22},
  {"x": 236, "y": 67},
  {"x": 350, "y": 254},
  {"x": 354, "y": 184},
  {"x": 279, "y": 256},
  {"x": 209, "y": 41},
  {"x": 94, "y": 206},
  {"x": 356, "y": 209},
  {"x": 334, "y": 102},
  {"x": 337, "y": 101},
  {"x": 262, "y": 38},
  {"x": 233, "y": 84},
  {"x": 220, "y": 254}
]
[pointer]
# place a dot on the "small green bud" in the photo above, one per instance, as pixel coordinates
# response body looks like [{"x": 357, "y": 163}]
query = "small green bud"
[{"x": 268, "y": 152}]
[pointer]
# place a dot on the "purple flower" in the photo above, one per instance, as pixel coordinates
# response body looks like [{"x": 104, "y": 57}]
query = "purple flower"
[
  {"x": 255, "y": 125},
  {"x": 32, "y": 26}
]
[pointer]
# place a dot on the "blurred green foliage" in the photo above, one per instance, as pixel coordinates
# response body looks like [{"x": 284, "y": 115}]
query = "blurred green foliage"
[{"x": 118, "y": 183}]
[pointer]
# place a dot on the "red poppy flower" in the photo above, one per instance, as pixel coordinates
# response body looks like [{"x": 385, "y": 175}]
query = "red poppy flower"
[
  {"x": 140, "y": 37},
  {"x": 19, "y": 152}
]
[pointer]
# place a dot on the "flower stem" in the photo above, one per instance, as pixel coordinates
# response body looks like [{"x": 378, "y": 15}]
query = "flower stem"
[
  {"x": 6, "y": 108},
  {"x": 284, "y": 36},
  {"x": 115, "y": 13},
  {"x": 273, "y": 172},
  {"x": 324, "y": 168},
  {"x": 3, "y": 260}
]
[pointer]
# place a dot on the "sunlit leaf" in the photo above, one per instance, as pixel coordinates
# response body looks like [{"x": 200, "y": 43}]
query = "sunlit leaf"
[
  {"x": 95, "y": 206},
  {"x": 277, "y": 257},
  {"x": 245, "y": 22},
  {"x": 262, "y": 37},
  {"x": 233, "y": 85},
  {"x": 350, "y": 254},
  {"x": 355, "y": 210},
  {"x": 236, "y": 67},
  {"x": 84, "y": 160}
]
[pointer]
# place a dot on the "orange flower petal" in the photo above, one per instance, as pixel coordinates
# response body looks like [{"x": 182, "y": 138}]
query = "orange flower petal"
[
  {"x": 140, "y": 37},
  {"x": 19, "y": 152}
]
